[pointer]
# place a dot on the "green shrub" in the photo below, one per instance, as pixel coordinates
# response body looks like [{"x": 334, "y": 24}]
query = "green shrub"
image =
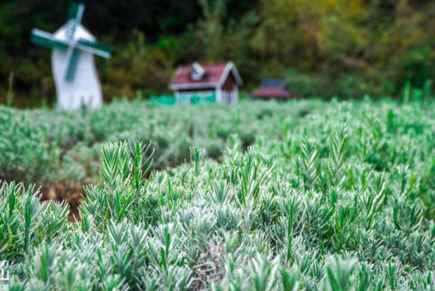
[{"x": 339, "y": 200}]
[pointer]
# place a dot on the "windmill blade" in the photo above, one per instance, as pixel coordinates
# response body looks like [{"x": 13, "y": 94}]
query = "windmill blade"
[
  {"x": 97, "y": 48},
  {"x": 72, "y": 60},
  {"x": 75, "y": 15},
  {"x": 46, "y": 39}
]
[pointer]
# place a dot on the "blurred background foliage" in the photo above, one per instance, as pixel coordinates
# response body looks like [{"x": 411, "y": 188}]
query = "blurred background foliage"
[{"x": 346, "y": 48}]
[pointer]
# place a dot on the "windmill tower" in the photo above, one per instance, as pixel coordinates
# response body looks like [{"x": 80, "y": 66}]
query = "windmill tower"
[{"x": 72, "y": 61}]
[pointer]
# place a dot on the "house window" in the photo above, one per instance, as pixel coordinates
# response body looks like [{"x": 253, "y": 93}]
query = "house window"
[{"x": 195, "y": 75}]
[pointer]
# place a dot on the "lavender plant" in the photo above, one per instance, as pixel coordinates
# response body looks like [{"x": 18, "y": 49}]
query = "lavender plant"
[{"x": 342, "y": 200}]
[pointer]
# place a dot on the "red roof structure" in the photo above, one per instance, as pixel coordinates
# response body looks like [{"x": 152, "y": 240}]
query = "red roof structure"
[
  {"x": 218, "y": 82},
  {"x": 211, "y": 76},
  {"x": 272, "y": 89}
]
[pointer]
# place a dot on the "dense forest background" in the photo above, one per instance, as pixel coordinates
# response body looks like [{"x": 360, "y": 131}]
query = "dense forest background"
[{"x": 347, "y": 48}]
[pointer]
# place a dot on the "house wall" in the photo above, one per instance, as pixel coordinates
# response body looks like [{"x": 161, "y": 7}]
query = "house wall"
[
  {"x": 218, "y": 95},
  {"x": 186, "y": 95},
  {"x": 230, "y": 90},
  {"x": 229, "y": 83}
]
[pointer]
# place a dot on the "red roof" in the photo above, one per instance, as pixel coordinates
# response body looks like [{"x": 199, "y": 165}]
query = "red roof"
[
  {"x": 271, "y": 92},
  {"x": 213, "y": 76},
  {"x": 213, "y": 73}
]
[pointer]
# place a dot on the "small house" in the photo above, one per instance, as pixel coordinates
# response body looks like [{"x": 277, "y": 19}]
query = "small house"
[
  {"x": 207, "y": 82},
  {"x": 272, "y": 89}
]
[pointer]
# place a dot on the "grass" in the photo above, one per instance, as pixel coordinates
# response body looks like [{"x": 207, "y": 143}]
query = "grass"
[{"x": 304, "y": 195}]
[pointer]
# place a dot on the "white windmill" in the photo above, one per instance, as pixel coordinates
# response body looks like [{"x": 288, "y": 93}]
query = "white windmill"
[{"x": 72, "y": 61}]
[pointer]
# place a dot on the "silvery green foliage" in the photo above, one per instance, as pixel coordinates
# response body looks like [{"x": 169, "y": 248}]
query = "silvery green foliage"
[
  {"x": 341, "y": 201},
  {"x": 26, "y": 152},
  {"x": 25, "y": 222},
  {"x": 44, "y": 146}
]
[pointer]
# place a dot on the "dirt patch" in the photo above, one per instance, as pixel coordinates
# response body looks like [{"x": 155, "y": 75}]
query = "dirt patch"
[{"x": 69, "y": 191}]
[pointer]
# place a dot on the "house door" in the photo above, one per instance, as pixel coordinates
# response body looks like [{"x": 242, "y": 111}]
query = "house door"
[{"x": 226, "y": 96}]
